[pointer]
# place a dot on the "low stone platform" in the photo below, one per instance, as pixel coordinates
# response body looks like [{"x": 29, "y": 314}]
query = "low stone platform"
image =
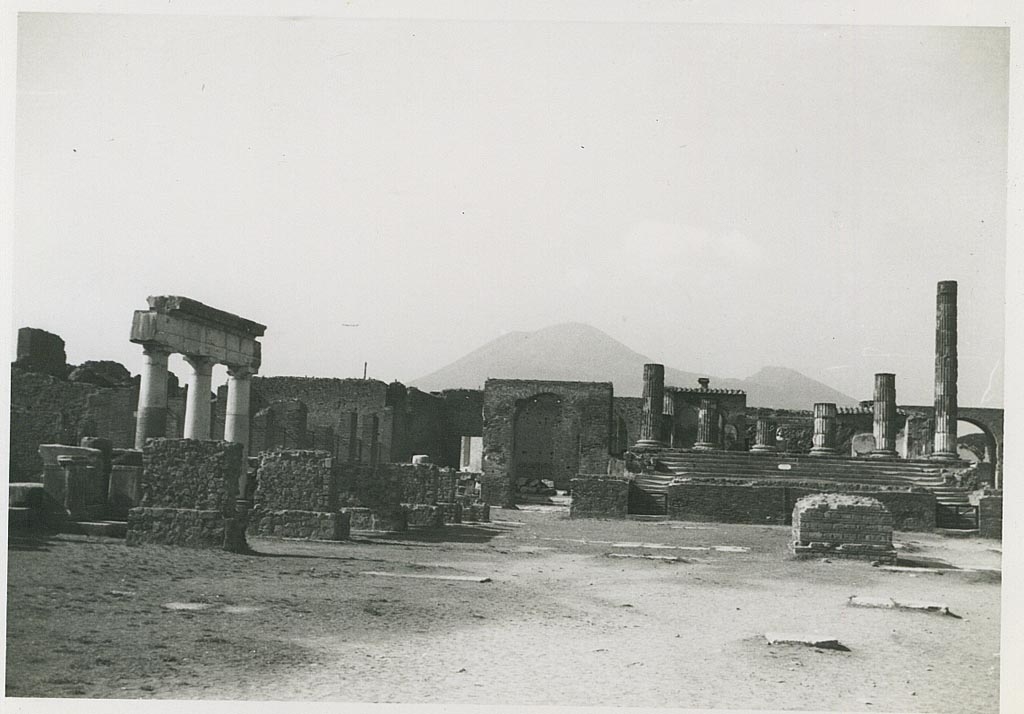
[
  {"x": 313, "y": 525},
  {"x": 843, "y": 526},
  {"x": 366, "y": 519}
]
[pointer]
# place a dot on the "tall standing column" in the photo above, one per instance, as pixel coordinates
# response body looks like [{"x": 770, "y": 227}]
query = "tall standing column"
[
  {"x": 151, "y": 418},
  {"x": 764, "y": 436},
  {"x": 236, "y": 412},
  {"x": 654, "y": 398},
  {"x": 707, "y": 425},
  {"x": 945, "y": 371},
  {"x": 885, "y": 416},
  {"x": 197, "y": 405},
  {"x": 824, "y": 429}
]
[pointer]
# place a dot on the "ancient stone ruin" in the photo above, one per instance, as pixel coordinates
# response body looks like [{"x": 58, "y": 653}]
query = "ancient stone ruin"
[
  {"x": 318, "y": 457},
  {"x": 843, "y": 526}
]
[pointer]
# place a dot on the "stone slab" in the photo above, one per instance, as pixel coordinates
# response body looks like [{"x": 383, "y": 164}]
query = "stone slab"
[
  {"x": 807, "y": 640},
  {"x": 457, "y": 578},
  {"x": 893, "y": 604}
]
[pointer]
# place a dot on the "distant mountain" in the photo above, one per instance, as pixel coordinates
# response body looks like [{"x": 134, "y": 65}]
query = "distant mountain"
[{"x": 579, "y": 352}]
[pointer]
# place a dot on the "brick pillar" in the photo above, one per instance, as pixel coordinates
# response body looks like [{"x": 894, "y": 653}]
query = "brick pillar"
[
  {"x": 764, "y": 437},
  {"x": 151, "y": 418},
  {"x": 707, "y": 425},
  {"x": 824, "y": 429},
  {"x": 654, "y": 398},
  {"x": 945, "y": 372},
  {"x": 885, "y": 416}
]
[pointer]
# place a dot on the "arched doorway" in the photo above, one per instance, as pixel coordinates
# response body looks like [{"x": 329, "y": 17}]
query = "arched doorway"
[
  {"x": 545, "y": 444},
  {"x": 976, "y": 443}
]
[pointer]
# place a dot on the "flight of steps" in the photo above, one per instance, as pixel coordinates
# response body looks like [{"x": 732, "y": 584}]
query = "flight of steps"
[{"x": 954, "y": 511}]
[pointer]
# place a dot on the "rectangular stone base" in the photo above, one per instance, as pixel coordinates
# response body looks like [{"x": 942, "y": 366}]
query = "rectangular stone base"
[
  {"x": 187, "y": 527},
  {"x": 477, "y": 512},
  {"x": 451, "y": 512},
  {"x": 424, "y": 516},
  {"x": 365, "y": 519},
  {"x": 315, "y": 525},
  {"x": 866, "y": 551}
]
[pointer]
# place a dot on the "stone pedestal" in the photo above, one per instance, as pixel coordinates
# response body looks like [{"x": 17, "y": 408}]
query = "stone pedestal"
[
  {"x": 654, "y": 399},
  {"x": 151, "y": 418},
  {"x": 707, "y": 425},
  {"x": 75, "y": 484},
  {"x": 885, "y": 416},
  {"x": 197, "y": 405},
  {"x": 764, "y": 437},
  {"x": 824, "y": 429},
  {"x": 945, "y": 372}
]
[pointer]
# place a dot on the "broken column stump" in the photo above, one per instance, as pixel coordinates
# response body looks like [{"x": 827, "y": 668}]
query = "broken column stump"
[{"x": 843, "y": 526}]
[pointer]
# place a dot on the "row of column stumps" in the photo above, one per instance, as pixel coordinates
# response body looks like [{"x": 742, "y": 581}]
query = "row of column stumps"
[
  {"x": 653, "y": 405},
  {"x": 151, "y": 420}
]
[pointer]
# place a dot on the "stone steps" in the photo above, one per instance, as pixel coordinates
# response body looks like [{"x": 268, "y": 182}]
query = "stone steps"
[{"x": 802, "y": 467}]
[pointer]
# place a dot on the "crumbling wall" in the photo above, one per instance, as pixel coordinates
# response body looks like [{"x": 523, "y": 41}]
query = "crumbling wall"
[
  {"x": 599, "y": 497},
  {"x": 583, "y": 421},
  {"x": 297, "y": 497},
  {"x": 189, "y": 493},
  {"x": 845, "y": 526},
  {"x": 48, "y": 410},
  {"x": 990, "y": 512},
  {"x": 764, "y": 501}
]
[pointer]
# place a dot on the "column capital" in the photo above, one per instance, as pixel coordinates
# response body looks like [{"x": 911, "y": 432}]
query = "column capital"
[
  {"x": 241, "y": 371},
  {"x": 155, "y": 349},
  {"x": 201, "y": 364}
]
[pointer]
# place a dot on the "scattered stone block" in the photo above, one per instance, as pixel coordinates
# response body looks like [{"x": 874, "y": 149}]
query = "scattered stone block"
[
  {"x": 816, "y": 641},
  {"x": 891, "y": 604},
  {"x": 416, "y": 576}
]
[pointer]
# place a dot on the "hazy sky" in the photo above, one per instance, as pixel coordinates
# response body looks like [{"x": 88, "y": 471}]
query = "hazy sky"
[{"x": 719, "y": 198}]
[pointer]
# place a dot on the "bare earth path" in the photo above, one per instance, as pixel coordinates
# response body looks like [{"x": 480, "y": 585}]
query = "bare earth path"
[{"x": 560, "y": 622}]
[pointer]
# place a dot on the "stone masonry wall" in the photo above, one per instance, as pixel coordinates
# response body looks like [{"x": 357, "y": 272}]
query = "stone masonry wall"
[
  {"x": 296, "y": 480},
  {"x": 599, "y": 497},
  {"x": 990, "y": 512},
  {"x": 584, "y": 417},
  {"x": 721, "y": 501},
  {"x": 188, "y": 494},
  {"x": 841, "y": 525}
]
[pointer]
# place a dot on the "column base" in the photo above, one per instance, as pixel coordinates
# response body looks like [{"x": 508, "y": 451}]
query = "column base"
[
  {"x": 883, "y": 454},
  {"x": 824, "y": 451},
  {"x": 944, "y": 456},
  {"x": 649, "y": 444},
  {"x": 705, "y": 446},
  {"x": 764, "y": 449}
]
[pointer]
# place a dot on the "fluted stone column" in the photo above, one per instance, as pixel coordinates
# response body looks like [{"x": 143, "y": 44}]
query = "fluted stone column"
[
  {"x": 764, "y": 436},
  {"x": 945, "y": 371},
  {"x": 707, "y": 425},
  {"x": 151, "y": 417},
  {"x": 236, "y": 412},
  {"x": 197, "y": 405},
  {"x": 654, "y": 399},
  {"x": 824, "y": 429},
  {"x": 885, "y": 416}
]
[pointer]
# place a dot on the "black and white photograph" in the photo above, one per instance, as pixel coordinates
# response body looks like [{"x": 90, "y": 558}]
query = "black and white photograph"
[{"x": 455, "y": 355}]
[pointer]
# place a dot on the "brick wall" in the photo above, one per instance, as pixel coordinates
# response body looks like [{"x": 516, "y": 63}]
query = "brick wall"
[
  {"x": 842, "y": 525},
  {"x": 739, "y": 501},
  {"x": 599, "y": 497},
  {"x": 580, "y": 414}
]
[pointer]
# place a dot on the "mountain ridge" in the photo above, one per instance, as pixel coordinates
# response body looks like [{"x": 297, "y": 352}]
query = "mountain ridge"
[{"x": 576, "y": 351}]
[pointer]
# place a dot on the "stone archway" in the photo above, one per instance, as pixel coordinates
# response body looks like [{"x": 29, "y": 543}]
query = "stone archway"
[{"x": 990, "y": 457}]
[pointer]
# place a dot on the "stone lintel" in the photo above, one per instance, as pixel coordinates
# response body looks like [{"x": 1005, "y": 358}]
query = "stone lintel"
[{"x": 178, "y": 305}]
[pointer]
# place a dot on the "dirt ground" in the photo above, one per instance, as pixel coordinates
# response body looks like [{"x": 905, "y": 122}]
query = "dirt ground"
[{"x": 560, "y": 622}]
